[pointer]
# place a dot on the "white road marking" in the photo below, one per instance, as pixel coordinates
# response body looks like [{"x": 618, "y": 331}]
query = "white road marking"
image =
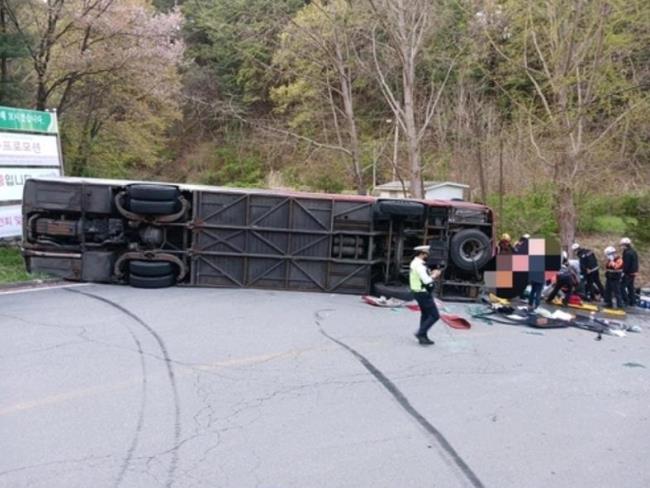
[{"x": 41, "y": 288}]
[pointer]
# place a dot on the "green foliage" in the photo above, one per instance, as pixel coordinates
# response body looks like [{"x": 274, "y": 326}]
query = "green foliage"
[
  {"x": 329, "y": 179},
  {"x": 275, "y": 63},
  {"x": 531, "y": 212},
  {"x": 638, "y": 208},
  {"x": 122, "y": 149},
  {"x": 13, "y": 56},
  {"x": 12, "y": 266},
  {"x": 235, "y": 40},
  {"x": 595, "y": 211},
  {"x": 230, "y": 168},
  {"x": 618, "y": 214},
  {"x": 608, "y": 224},
  {"x": 328, "y": 183}
]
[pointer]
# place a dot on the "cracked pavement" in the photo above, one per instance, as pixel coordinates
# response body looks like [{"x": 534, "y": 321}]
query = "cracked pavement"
[{"x": 109, "y": 386}]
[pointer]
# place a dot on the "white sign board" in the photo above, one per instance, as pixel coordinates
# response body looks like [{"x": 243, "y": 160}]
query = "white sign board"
[
  {"x": 12, "y": 180},
  {"x": 29, "y": 147},
  {"x": 28, "y": 150},
  {"x": 11, "y": 221}
]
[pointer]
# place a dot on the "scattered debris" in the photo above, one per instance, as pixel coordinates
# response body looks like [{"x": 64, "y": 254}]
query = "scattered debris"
[
  {"x": 499, "y": 310},
  {"x": 455, "y": 321},
  {"x": 384, "y": 302},
  {"x": 634, "y": 365}
]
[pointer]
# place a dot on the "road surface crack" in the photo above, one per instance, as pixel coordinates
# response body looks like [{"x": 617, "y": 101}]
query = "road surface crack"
[{"x": 401, "y": 399}]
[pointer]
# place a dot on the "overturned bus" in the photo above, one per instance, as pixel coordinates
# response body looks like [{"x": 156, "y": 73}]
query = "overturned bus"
[{"x": 156, "y": 235}]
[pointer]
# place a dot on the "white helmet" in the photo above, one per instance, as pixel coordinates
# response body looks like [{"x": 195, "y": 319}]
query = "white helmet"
[
  {"x": 626, "y": 241},
  {"x": 575, "y": 246},
  {"x": 526, "y": 236},
  {"x": 610, "y": 250}
]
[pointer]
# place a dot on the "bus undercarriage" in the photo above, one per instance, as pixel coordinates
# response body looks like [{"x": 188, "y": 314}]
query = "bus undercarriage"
[{"x": 156, "y": 235}]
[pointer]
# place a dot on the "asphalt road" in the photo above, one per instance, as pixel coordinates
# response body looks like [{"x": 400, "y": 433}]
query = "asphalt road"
[{"x": 104, "y": 386}]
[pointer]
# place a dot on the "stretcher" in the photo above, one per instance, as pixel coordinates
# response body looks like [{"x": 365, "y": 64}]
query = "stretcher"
[
  {"x": 614, "y": 311},
  {"x": 589, "y": 307},
  {"x": 495, "y": 299}
]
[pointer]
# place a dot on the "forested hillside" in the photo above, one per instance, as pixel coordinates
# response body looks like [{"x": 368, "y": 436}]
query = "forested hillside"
[{"x": 542, "y": 106}]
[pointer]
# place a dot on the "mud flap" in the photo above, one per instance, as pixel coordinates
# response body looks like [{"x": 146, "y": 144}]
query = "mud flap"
[{"x": 97, "y": 266}]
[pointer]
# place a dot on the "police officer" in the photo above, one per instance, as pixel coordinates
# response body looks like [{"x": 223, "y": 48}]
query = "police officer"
[
  {"x": 613, "y": 274},
  {"x": 630, "y": 270},
  {"x": 421, "y": 284},
  {"x": 589, "y": 269}
]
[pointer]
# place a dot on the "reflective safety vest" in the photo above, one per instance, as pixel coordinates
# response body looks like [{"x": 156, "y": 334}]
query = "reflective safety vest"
[
  {"x": 614, "y": 269},
  {"x": 415, "y": 281}
]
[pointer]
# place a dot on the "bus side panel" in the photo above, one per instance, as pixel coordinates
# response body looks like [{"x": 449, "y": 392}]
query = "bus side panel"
[{"x": 278, "y": 241}]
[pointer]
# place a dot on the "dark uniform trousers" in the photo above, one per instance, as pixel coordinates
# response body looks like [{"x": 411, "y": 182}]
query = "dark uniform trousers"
[
  {"x": 593, "y": 278},
  {"x": 613, "y": 290},
  {"x": 428, "y": 311},
  {"x": 628, "y": 293}
]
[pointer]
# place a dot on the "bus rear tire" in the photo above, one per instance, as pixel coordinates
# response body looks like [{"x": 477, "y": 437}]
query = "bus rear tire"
[
  {"x": 138, "y": 281},
  {"x": 153, "y": 199},
  {"x": 150, "y": 268}
]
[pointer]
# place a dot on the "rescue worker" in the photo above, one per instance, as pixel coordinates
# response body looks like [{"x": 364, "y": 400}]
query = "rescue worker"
[
  {"x": 521, "y": 246},
  {"x": 613, "y": 274},
  {"x": 630, "y": 270},
  {"x": 567, "y": 280},
  {"x": 589, "y": 269},
  {"x": 421, "y": 284},
  {"x": 504, "y": 245}
]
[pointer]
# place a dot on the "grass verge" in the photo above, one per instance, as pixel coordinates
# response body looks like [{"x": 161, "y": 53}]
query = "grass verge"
[{"x": 12, "y": 267}]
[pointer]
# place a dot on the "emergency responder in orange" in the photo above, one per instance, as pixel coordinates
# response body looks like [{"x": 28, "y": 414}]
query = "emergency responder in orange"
[{"x": 613, "y": 274}]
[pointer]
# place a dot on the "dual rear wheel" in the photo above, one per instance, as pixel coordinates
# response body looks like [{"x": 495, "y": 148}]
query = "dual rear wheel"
[
  {"x": 151, "y": 274},
  {"x": 152, "y": 200}
]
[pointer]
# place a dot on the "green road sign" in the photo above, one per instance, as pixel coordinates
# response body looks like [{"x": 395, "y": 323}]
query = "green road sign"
[{"x": 16, "y": 119}]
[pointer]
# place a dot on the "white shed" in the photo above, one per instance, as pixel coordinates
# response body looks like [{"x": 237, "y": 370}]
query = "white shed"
[{"x": 433, "y": 190}]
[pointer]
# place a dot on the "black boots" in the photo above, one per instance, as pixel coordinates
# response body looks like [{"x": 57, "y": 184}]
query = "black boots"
[{"x": 424, "y": 340}]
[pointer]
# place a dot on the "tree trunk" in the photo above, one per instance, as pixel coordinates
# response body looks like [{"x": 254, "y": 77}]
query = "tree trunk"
[
  {"x": 478, "y": 149},
  {"x": 411, "y": 133},
  {"x": 416, "y": 186},
  {"x": 348, "y": 108},
  {"x": 501, "y": 188},
  {"x": 41, "y": 93},
  {"x": 566, "y": 216}
]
